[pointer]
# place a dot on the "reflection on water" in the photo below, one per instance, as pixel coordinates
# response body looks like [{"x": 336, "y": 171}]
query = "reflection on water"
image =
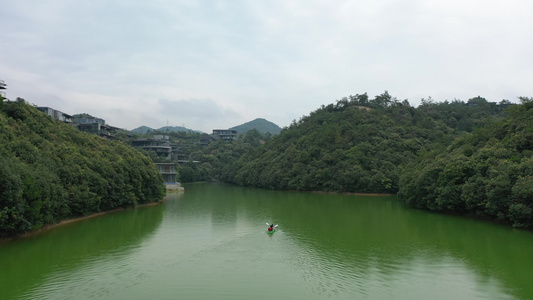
[
  {"x": 42, "y": 263},
  {"x": 389, "y": 250},
  {"x": 211, "y": 243}
]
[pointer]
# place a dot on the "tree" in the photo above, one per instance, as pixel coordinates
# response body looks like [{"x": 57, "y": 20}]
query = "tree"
[{"x": 49, "y": 171}]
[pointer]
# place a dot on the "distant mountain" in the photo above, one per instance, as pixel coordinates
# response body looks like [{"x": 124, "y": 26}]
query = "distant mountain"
[
  {"x": 261, "y": 125},
  {"x": 177, "y": 128},
  {"x": 146, "y": 129},
  {"x": 142, "y": 130}
]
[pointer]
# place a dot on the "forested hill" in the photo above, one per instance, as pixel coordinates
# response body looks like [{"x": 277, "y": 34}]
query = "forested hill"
[
  {"x": 49, "y": 171},
  {"x": 472, "y": 157},
  {"x": 358, "y": 144},
  {"x": 261, "y": 125},
  {"x": 165, "y": 129},
  {"x": 486, "y": 173}
]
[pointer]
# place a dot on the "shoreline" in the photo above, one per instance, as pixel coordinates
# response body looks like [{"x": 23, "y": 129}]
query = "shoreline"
[
  {"x": 49, "y": 227},
  {"x": 351, "y": 193}
]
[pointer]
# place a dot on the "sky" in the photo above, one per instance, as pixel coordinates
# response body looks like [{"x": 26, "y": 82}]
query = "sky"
[{"x": 209, "y": 64}]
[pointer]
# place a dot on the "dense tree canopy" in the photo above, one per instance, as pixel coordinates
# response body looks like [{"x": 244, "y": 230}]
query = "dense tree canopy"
[
  {"x": 488, "y": 172},
  {"x": 463, "y": 157},
  {"x": 215, "y": 161},
  {"x": 357, "y": 144},
  {"x": 49, "y": 171},
  {"x": 471, "y": 157}
]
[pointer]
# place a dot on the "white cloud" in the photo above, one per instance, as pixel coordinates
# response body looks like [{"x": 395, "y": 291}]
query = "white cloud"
[
  {"x": 206, "y": 113},
  {"x": 239, "y": 60}
]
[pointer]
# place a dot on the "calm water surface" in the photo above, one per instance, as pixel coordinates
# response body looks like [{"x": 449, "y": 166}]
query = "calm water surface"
[{"x": 211, "y": 243}]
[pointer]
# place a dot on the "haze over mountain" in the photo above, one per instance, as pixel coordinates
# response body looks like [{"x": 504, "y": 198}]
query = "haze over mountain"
[
  {"x": 146, "y": 129},
  {"x": 260, "y": 124}
]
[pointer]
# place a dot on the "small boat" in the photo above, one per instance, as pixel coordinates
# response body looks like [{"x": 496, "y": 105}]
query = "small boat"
[{"x": 273, "y": 228}]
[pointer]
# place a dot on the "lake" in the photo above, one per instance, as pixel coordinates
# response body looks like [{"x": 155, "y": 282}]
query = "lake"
[{"x": 210, "y": 242}]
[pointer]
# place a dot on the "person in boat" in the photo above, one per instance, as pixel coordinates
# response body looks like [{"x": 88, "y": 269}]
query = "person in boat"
[{"x": 271, "y": 228}]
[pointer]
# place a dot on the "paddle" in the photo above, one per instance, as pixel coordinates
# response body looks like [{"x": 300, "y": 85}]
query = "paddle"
[{"x": 275, "y": 226}]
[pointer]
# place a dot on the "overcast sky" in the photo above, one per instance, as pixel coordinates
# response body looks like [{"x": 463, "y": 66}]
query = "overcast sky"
[{"x": 210, "y": 64}]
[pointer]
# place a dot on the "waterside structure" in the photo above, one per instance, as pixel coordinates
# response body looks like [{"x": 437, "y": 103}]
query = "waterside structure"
[
  {"x": 160, "y": 144},
  {"x": 170, "y": 176}
]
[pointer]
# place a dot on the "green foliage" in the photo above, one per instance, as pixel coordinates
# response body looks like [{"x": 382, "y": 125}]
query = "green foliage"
[
  {"x": 355, "y": 145},
  {"x": 216, "y": 162},
  {"x": 49, "y": 172},
  {"x": 487, "y": 173},
  {"x": 469, "y": 158},
  {"x": 261, "y": 125}
]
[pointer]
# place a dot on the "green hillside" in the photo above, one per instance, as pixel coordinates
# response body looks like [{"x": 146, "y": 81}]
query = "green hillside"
[
  {"x": 358, "y": 144},
  {"x": 487, "y": 173},
  {"x": 49, "y": 172},
  {"x": 165, "y": 129},
  {"x": 142, "y": 130},
  {"x": 463, "y": 157},
  {"x": 261, "y": 125}
]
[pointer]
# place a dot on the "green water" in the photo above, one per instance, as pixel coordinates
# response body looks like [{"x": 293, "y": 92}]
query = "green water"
[{"x": 211, "y": 243}]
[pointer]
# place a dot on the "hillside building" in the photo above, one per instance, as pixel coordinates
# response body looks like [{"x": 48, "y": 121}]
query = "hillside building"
[
  {"x": 224, "y": 134},
  {"x": 3, "y": 86},
  {"x": 55, "y": 114},
  {"x": 104, "y": 131},
  {"x": 160, "y": 144},
  {"x": 168, "y": 170},
  {"x": 170, "y": 176},
  {"x": 89, "y": 120},
  {"x": 90, "y": 124},
  {"x": 86, "y": 124}
]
